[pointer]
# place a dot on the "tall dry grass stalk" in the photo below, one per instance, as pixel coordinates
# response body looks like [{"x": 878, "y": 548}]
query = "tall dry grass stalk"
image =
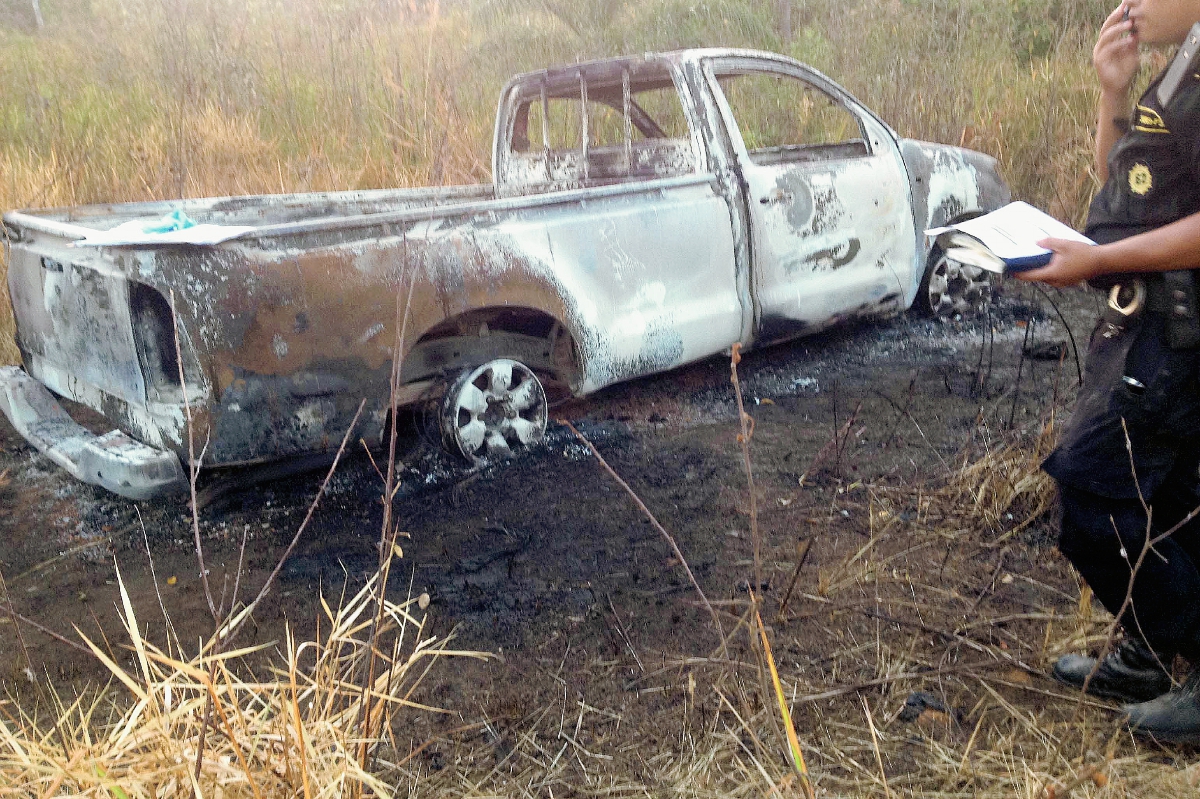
[{"x": 294, "y": 733}]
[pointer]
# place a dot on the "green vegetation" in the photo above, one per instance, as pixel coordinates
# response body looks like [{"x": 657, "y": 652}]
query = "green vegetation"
[{"x": 119, "y": 100}]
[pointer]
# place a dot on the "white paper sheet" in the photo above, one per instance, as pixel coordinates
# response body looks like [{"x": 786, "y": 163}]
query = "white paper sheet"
[
  {"x": 133, "y": 233},
  {"x": 1012, "y": 232}
]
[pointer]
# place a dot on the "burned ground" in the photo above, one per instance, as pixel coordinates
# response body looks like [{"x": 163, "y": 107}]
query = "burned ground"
[{"x": 606, "y": 655}]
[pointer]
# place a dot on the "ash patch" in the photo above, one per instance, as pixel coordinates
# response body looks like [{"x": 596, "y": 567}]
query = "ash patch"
[
  {"x": 70, "y": 516},
  {"x": 523, "y": 552}
]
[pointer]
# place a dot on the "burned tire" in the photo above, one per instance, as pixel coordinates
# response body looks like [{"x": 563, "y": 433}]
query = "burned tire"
[
  {"x": 494, "y": 411},
  {"x": 950, "y": 288}
]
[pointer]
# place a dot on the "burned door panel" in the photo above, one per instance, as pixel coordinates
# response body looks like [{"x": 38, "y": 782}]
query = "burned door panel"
[{"x": 830, "y": 217}]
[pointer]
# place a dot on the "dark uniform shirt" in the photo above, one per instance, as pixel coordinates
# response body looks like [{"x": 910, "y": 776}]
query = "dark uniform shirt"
[
  {"x": 1154, "y": 169},
  {"x": 1153, "y": 180}
]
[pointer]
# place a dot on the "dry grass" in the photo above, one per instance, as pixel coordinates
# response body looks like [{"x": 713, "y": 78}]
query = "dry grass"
[
  {"x": 938, "y": 590},
  {"x": 296, "y": 733},
  {"x": 925, "y": 604}
]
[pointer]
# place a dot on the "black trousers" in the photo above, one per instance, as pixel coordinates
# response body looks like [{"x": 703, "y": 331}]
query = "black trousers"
[{"x": 1123, "y": 446}]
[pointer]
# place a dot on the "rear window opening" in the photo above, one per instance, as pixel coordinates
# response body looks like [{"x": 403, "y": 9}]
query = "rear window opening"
[{"x": 602, "y": 129}]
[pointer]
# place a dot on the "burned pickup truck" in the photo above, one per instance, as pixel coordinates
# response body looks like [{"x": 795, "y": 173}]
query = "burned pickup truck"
[{"x": 646, "y": 212}]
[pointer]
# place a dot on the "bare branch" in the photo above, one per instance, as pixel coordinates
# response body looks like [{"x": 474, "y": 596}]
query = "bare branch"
[{"x": 653, "y": 521}]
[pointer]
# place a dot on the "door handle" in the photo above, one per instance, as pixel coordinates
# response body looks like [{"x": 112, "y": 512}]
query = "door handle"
[{"x": 776, "y": 196}]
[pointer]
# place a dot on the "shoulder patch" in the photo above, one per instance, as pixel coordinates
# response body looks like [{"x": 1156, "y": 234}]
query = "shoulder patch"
[
  {"x": 1147, "y": 120},
  {"x": 1140, "y": 179}
]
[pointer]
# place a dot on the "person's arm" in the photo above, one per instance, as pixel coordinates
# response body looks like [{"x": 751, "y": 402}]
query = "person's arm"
[
  {"x": 1109, "y": 128},
  {"x": 1173, "y": 246},
  {"x": 1115, "y": 58}
]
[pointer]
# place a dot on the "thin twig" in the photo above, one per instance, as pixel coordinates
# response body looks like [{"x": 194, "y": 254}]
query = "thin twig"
[
  {"x": 654, "y": 522},
  {"x": 746, "y": 422},
  {"x": 154, "y": 579},
  {"x": 912, "y": 385},
  {"x": 625, "y": 635},
  {"x": 802, "y": 550},
  {"x": 232, "y": 628},
  {"x": 47, "y": 631},
  {"x": 13, "y": 613},
  {"x": 980, "y": 380},
  {"x": 875, "y": 745},
  {"x": 905, "y": 412},
  {"x": 1029, "y": 326},
  {"x": 388, "y": 529},
  {"x": 193, "y": 465},
  {"x": 1070, "y": 334},
  {"x": 833, "y": 693}
]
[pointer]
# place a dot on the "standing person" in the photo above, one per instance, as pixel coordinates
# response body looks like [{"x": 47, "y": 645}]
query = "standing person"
[{"x": 1129, "y": 458}]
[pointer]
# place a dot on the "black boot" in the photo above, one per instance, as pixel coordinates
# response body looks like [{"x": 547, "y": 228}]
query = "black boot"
[
  {"x": 1129, "y": 673},
  {"x": 1173, "y": 717}
]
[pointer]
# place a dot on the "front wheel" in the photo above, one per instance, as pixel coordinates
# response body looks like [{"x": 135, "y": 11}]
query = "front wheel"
[
  {"x": 950, "y": 288},
  {"x": 494, "y": 409}
]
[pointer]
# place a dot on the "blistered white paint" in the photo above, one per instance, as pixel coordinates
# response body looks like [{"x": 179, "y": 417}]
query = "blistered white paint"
[
  {"x": 652, "y": 294},
  {"x": 951, "y": 178},
  {"x": 372, "y": 331},
  {"x": 647, "y": 307},
  {"x": 146, "y": 263},
  {"x": 171, "y": 418}
]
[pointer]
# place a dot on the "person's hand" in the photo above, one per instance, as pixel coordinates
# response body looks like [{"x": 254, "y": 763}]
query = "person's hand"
[
  {"x": 1072, "y": 263},
  {"x": 1115, "y": 55}
]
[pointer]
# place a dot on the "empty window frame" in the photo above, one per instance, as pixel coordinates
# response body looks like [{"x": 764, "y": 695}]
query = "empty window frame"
[
  {"x": 607, "y": 127},
  {"x": 783, "y": 118}
]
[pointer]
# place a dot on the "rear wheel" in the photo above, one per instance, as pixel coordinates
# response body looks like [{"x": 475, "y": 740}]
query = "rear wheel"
[
  {"x": 950, "y": 288},
  {"x": 494, "y": 410}
]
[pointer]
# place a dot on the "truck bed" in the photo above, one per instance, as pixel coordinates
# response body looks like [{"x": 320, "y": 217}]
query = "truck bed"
[{"x": 258, "y": 211}]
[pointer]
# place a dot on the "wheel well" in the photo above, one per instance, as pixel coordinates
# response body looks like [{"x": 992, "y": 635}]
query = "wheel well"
[
  {"x": 923, "y": 302},
  {"x": 528, "y": 335},
  {"x": 963, "y": 217}
]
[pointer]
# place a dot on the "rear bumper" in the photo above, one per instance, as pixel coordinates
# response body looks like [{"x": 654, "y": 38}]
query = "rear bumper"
[{"x": 113, "y": 461}]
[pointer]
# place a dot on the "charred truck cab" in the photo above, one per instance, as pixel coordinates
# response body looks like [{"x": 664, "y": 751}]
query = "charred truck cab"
[{"x": 647, "y": 212}]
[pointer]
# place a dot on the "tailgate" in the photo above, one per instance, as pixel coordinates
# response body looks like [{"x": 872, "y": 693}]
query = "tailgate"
[{"x": 74, "y": 320}]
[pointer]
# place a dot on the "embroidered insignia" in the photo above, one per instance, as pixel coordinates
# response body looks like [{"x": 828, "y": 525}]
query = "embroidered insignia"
[
  {"x": 1149, "y": 121},
  {"x": 1140, "y": 179}
]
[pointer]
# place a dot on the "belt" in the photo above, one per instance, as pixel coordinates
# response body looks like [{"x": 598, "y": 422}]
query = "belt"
[{"x": 1173, "y": 295}]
